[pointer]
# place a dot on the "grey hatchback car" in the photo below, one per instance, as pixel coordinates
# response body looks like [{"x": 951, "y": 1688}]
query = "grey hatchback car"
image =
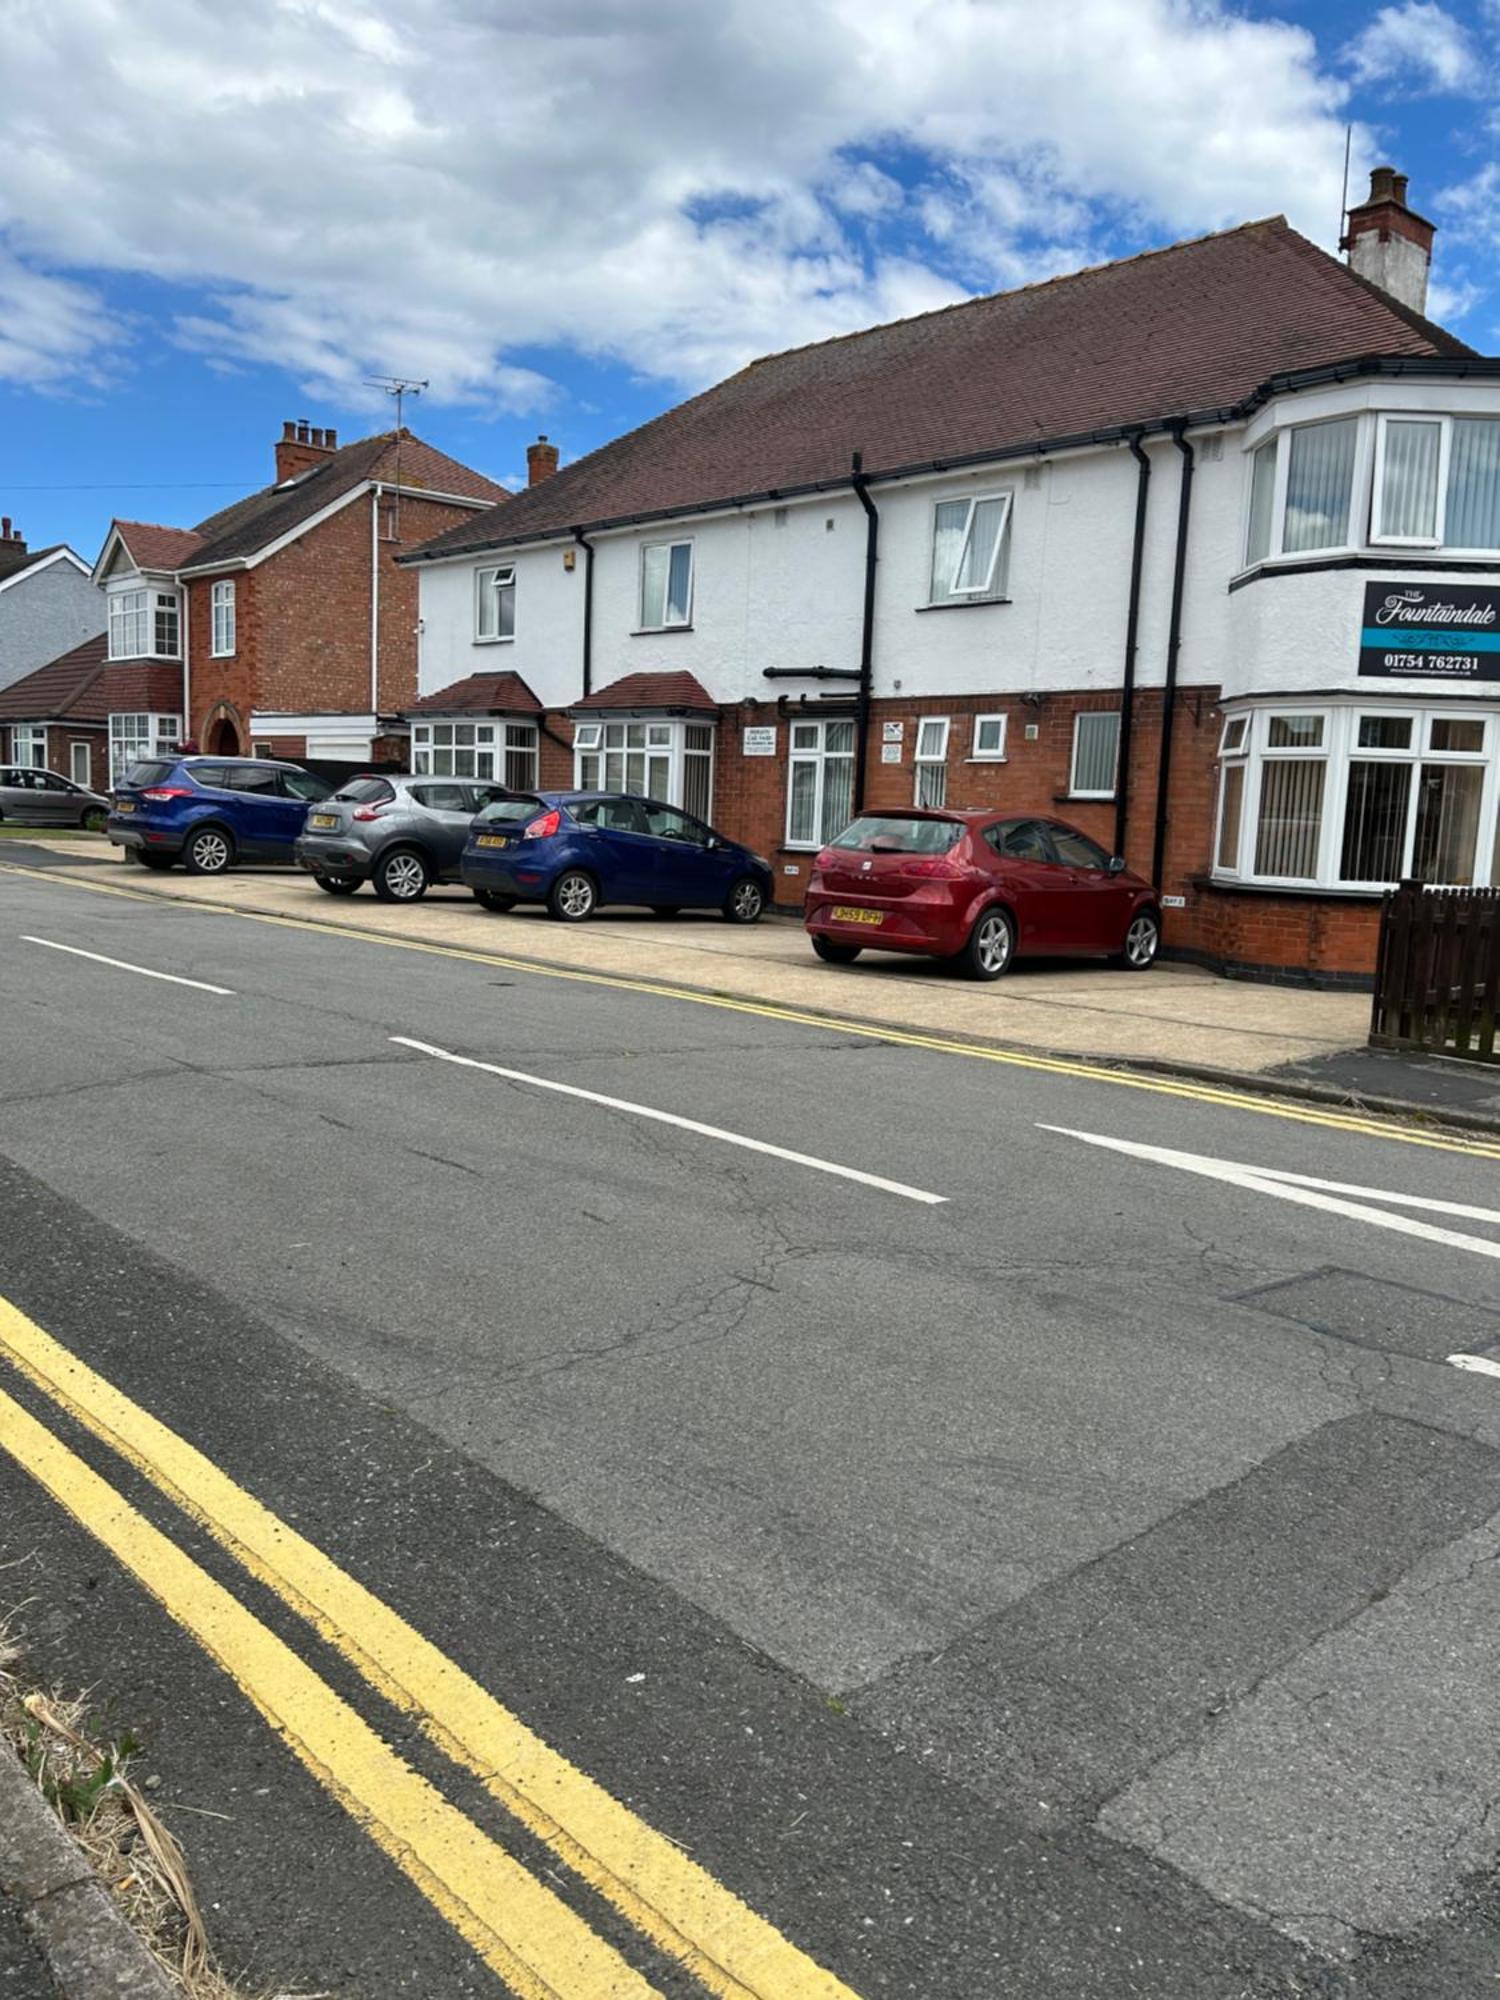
[
  {"x": 400, "y": 834},
  {"x": 42, "y": 798}
]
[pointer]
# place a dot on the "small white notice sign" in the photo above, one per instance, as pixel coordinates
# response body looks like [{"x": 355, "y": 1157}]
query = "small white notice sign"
[
  {"x": 759, "y": 741},
  {"x": 892, "y": 732},
  {"x": 890, "y": 753},
  {"x": 1174, "y": 902}
]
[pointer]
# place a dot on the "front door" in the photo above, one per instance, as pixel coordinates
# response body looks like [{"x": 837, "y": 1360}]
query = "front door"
[{"x": 78, "y": 765}]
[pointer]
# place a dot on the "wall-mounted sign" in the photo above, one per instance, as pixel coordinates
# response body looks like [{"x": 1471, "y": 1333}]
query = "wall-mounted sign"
[
  {"x": 890, "y": 753},
  {"x": 892, "y": 732},
  {"x": 1440, "y": 631},
  {"x": 759, "y": 741}
]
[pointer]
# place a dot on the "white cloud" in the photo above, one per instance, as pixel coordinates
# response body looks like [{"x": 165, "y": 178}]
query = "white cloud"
[
  {"x": 54, "y": 333},
  {"x": 433, "y": 188},
  {"x": 1419, "y": 46}
]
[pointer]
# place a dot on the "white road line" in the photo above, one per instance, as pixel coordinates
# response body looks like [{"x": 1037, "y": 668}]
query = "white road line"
[
  {"x": 1421, "y": 1201},
  {"x": 683, "y": 1124},
  {"x": 124, "y": 965},
  {"x": 1261, "y": 1182},
  {"x": 1475, "y": 1363}
]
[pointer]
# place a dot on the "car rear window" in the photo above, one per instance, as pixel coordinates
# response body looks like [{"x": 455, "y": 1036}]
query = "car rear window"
[
  {"x": 899, "y": 834},
  {"x": 366, "y": 791},
  {"x": 137, "y": 775},
  {"x": 511, "y": 809}
]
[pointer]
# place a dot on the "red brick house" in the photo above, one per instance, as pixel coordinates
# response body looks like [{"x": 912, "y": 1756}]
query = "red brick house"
[{"x": 281, "y": 624}]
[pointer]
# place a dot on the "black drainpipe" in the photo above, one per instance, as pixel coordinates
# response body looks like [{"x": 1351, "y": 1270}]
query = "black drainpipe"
[
  {"x": 1132, "y": 626},
  {"x": 588, "y": 609},
  {"x": 1174, "y": 646},
  {"x": 867, "y": 631}
]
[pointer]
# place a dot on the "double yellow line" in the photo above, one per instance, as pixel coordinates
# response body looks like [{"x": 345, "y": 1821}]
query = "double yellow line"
[{"x": 521, "y": 1929}]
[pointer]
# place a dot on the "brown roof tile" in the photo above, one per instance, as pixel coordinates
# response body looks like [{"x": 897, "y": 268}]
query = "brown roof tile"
[
  {"x": 480, "y": 694},
  {"x": 151, "y": 546},
  {"x": 1196, "y": 327},
  {"x": 673, "y": 691},
  {"x": 67, "y": 689}
]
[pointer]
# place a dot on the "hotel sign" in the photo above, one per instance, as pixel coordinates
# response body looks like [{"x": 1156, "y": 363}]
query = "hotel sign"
[{"x": 1448, "y": 632}]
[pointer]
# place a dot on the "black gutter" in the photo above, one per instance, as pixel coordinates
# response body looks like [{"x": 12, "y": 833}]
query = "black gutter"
[
  {"x": 1415, "y": 366},
  {"x": 867, "y": 630},
  {"x": 588, "y": 610},
  {"x": 810, "y": 673},
  {"x": 1132, "y": 627},
  {"x": 1174, "y": 646}
]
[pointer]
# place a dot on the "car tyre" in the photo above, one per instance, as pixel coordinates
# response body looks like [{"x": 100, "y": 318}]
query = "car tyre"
[
  {"x": 833, "y": 953},
  {"x": 159, "y": 862},
  {"x": 1142, "y": 942},
  {"x": 492, "y": 899},
  {"x": 991, "y": 945},
  {"x": 337, "y": 885},
  {"x": 209, "y": 851},
  {"x": 746, "y": 901},
  {"x": 95, "y": 819},
  {"x": 573, "y": 897},
  {"x": 401, "y": 876}
]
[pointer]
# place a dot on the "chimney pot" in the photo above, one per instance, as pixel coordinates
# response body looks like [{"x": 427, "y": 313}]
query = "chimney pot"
[
  {"x": 331, "y": 439},
  {"x": 1389, "y": 243},
  {"x": 4, "y": 528},
  {"x": 289, "y": 432},
  {"x": 300, "y": 447},
  {"x": 541, "y": 460},
  {"x": 303, "y": 431},
  {"x": 1383, "y": 184}
]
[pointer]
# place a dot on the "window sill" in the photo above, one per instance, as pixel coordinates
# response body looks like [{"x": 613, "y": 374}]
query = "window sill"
[
  {"x": 986, "y": 760},
  {"x": 1084, "y": 798},
  {"x": 495, "y": 639},
  {"x": 962, "y": 604},
  {"x": 657, "y": 631},
  {"x": 1342, "y": 892}
]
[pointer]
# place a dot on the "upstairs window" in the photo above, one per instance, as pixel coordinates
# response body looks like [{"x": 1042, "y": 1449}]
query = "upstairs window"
[
  {"x": 666, "y": 585},
  {"x": 223, "y": 618},
  {"x": 144, "y": 624},
  {"x": 495, "y": 603},
  {"x": 1319, "y": 487},
  {"x": 968, "y": 548},
  {"x": 1437, "y": 483}
]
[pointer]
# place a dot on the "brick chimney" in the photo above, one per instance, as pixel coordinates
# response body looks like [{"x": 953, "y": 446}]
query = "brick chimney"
[
  {"x": 300, "y": 447},
  {"x": 12, "y": 541},
  {"x": 541, "y": 461},
  {"x": 1389, "y": 243}
]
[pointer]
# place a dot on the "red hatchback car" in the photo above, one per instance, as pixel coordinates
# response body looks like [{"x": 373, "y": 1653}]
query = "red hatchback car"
[{"x": 976, "y": 888}]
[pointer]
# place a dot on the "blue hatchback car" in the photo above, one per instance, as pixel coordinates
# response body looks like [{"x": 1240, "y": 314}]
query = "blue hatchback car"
[
  {"x": 210, "y": 812},
  {"x": 574, "y": 851}
]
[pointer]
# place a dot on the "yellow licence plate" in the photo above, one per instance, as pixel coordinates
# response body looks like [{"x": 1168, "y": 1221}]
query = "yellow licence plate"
[
  {"x": 492, "y": 840},
  {"x": 842, "y": 913},
  {"x": 323, "y": 819},
  {"x": 124, "y": 806}
]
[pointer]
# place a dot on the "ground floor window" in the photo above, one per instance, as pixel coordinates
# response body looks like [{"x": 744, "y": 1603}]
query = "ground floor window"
[
  {"x": 1096, "y": 746},
  {"x": 670, "y": 761},
  {"x": 931, "y": 762},
  {"x": 820, "y": 782},
  {"x": 1357, "y": 797},
  {"x": 80, "y": 764},
  {"x": 28, "y": 746},
  {"x": 141, "y": 735},
  {"x": 505, "y": 752}
]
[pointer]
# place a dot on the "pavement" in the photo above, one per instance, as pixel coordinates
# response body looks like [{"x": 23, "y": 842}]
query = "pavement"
[{"x": 1016, "y": 1527}]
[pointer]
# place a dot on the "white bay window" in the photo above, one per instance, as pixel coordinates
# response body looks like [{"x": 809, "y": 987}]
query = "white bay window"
[
  {"x": 672, "y": 761},
  {"x": 144, "y": 624},
  {"x": 1437, "y": 483},
  {"x": 28, "y": 746},
  {"x": 506, "y": 753},
  {"x": 133, "y": 736}
]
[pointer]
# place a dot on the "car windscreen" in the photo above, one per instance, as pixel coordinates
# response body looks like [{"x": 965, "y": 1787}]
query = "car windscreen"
[
  {"x": 366, "y": 792},
  {"x": 136, "y": 775},
  {"x": 511, "y": 809},
  {"x": 896, "y": 834}
]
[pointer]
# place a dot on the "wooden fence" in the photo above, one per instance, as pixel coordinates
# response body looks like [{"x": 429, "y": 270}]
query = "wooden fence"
[{"x": 1437, "y": 972}]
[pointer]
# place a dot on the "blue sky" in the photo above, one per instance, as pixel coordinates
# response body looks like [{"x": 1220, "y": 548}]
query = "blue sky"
[{"x": 213, "y": 219}]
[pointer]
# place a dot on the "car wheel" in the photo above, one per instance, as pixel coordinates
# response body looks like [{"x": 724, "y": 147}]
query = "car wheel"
[
  {"x": 745, "y": 902},
  {"x": 491, "y": 899},
  {"x": 573, "y": 897},
  {"x": 833, "y": 953},
  {"x": 337, "y": 885},
  {"x": 95, "y": 819},
  {"x": 991, "y": 946},
  {"x": 1142, "y": 942},
  {"x": 401, "y": 876},
  {"x": 666, "y": 909},
  {"x": 160, "y": 862},
  {"x": 208, "y": 852}
]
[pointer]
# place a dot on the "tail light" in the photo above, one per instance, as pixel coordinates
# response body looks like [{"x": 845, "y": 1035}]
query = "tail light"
[
  {"x": 368, "y": 812},
  {"x": 543, "y": 828},
  {"x": 937, "y": 867},
  {"x": 162, "y": 792}
]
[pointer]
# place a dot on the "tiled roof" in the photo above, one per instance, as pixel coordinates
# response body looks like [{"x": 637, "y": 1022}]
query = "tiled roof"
[
  {"x": 67, "y": 689},
  {"x": 1193, "y": 328},
  {"x": 480, "y": 694},
  {"x": 672, "y": 691},
  {"x": 13, "y": 559},
  {"x": 150, "y": 546}
]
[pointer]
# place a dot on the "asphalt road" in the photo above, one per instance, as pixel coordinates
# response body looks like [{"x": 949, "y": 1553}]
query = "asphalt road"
[{"x": 1020, "y": 1532}]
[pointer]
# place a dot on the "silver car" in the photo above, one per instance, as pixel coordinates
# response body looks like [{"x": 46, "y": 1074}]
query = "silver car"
[
  {"x": 400, "y": 834},
  {"x": 42, "y": 798}
]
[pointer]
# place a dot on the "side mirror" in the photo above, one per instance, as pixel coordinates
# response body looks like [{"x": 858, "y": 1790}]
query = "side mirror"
[
  {"x": 1116, "y": 864},
  {"x": 713, "y": 841}
]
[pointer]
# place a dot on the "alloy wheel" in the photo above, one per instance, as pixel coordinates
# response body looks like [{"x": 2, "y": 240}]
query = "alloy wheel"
[
  {"x": 747, "y": 901},
  {"x": 575, "y": 895},
  {"x": 992, "y": 943},
  {"x": 210, "y": 853},
  {"x": 405, "y": 877},
  {"x": 1141, "y": 941}
]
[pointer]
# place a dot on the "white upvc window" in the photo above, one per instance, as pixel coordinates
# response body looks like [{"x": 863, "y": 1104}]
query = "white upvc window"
[
  {"x": 1356, "y": 797},
  {"x": 931, "y": 761},
  {"x": 144, "y": 624},
  {"x": 222, "y": 604},
  {"x": 1301, "y": 490},
  {"x": 495, "y": 603},
  {"x": 1096, "y": 747},
  {"x": 505, "y": 753},
  {"x": 989, "y": 740},
  {"x": 666, "y": 586},
  {"x": 969, "y": 548},
  {"x": 820, "y": 782},
  {"x": 28, "y": 746},
  {"x": 672, "y": 761},
  {"x": 1437, "y": 483},
  {"x": 136, "y": 735}
]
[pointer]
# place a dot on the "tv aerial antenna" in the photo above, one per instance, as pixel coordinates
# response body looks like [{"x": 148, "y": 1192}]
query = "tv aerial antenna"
[{"x": 398, "y": 388}]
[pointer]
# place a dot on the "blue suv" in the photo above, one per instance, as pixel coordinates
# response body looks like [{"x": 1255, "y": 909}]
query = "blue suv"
[
  {"x": 210, "y": 812},
  {"x": 574, "y": 851}
]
